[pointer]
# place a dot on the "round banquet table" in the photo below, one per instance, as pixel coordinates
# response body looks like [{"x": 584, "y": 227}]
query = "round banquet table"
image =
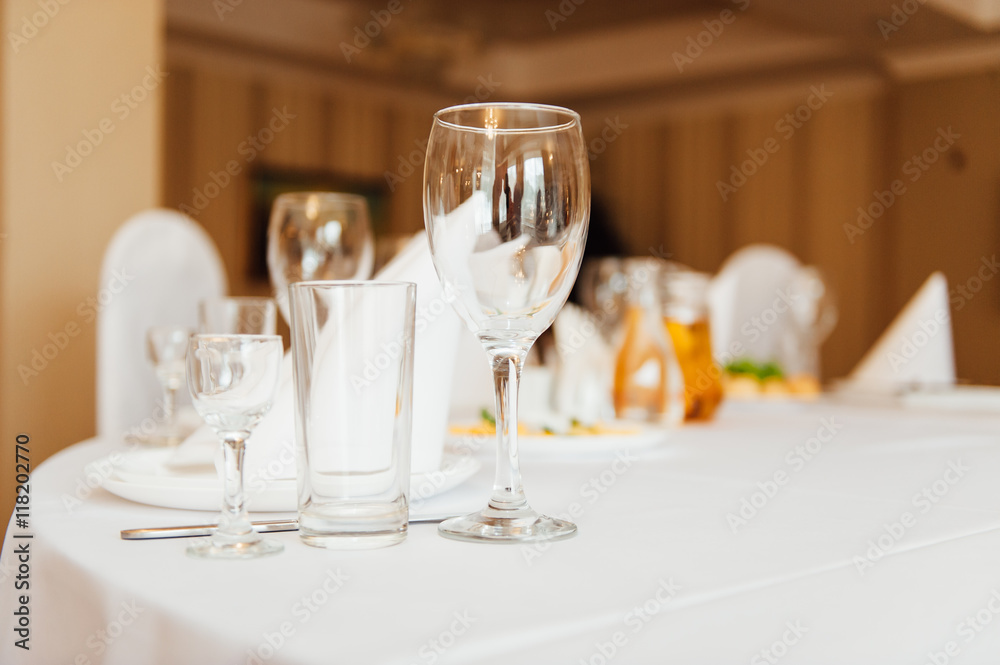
[{"x": 823, "y": 532}]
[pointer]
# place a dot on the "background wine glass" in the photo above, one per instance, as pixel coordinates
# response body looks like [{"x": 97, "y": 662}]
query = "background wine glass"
[
  {"x": 814, "y": 316},
  {"x": 506, "y": 205},
  {"x": 233, "y": 380},
  {"x": 317, "y": 236},
  {"x": 166, "y": 348},
  {"x": 237, "y": 316}
]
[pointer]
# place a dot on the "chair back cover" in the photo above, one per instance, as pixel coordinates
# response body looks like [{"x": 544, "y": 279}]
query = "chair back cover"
[
  {"x": 156, "y": 268},
  {"x": 748, "y": 303}
]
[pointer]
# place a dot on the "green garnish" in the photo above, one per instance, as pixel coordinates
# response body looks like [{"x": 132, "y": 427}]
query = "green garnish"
[
  {"x": 761, "y": 372},
  {"x": 488, "y": 417}
]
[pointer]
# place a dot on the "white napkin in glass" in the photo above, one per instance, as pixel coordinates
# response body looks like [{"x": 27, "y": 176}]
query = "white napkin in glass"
[
  {"x": 916, "y": 349},
  {"x": 583, "y": 380},
  {"x": 270, "y": 448}
]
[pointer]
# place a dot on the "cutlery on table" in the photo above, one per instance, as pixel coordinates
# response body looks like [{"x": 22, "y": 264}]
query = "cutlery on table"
[{"x": 261, "y": 527}]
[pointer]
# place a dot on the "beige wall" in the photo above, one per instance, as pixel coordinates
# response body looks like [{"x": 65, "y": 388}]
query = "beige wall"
[{"x": 63, "y": 81}]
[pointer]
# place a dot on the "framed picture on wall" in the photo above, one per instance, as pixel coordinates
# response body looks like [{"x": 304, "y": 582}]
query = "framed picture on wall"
[{"x": 266, "y": 184}]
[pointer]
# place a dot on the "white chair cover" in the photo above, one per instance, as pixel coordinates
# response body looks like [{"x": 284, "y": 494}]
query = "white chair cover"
[
  {"x": 156, "y": 268},
  {"x": 748, "y": 303}
]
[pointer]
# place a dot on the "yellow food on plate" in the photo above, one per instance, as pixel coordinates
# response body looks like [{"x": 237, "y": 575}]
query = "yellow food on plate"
[
  {"x": 746, "y": 386},
  {"x": 576, "y": 429}
]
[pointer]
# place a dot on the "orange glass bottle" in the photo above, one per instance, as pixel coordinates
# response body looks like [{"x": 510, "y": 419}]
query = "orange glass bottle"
[
  {"x": 648, "y": 384},
  {"x": 685, "y": 314}
]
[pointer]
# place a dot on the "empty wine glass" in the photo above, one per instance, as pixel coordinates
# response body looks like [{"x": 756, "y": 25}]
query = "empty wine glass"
[
  {"x": 506, "y": 205},
  {"x": 317, "y": 236},
  {"x": 604, "y": 293},
  {"x": 233, "y": 380},
  {"x": 167, "y": 347},
  {"x": 237, "y": 316}
]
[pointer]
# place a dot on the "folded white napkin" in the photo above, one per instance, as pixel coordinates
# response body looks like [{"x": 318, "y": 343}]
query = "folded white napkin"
[
  {"x": 916, "y": 349},
  {"x": 270, "y": 449},
  {"x": 436, "y": 335}
]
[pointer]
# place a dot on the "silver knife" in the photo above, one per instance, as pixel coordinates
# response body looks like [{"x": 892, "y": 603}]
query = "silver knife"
[{"x": 260, "y": 527}]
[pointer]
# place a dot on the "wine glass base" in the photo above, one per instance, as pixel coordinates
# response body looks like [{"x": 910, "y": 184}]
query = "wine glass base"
[
  {"x": 491, "y": 525},
  {"x": 255, "y": 550}
]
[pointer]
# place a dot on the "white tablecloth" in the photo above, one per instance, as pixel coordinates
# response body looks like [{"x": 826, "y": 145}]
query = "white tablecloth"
[{"x": 881, "y": 545}]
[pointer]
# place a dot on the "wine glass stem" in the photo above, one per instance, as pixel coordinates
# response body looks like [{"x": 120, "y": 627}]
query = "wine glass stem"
[
  {"x": 234, "y": 521},
  {"x": 169, "y": 400},
  {"x": 508, "y": 493}
]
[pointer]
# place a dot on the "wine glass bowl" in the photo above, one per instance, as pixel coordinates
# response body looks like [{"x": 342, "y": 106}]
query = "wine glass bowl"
[
  {"x": 233, "y": 380},
  {"x": 317, "y": 236},
  {"x": 506, "y": 206},
  {"x": 237, "y": 316}
]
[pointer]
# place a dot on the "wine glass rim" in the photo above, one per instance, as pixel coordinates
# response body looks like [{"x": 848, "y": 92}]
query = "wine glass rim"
[
  {"x": 572, "y": 120},
  {"x": 336, "y": 197}
]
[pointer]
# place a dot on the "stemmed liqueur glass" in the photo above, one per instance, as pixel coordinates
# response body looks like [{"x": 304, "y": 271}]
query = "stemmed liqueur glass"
[
  {"x": 166, "y": 347},
  {"x": 317, "y": 236},
  {"x": 233, "y": 380},
  {"x": 506, "y": 205}
]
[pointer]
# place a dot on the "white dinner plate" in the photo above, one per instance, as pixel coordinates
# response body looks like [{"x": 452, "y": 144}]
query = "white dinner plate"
[
  {"x": 142, "y": 478},
  {"x": 643, "y": 436}
]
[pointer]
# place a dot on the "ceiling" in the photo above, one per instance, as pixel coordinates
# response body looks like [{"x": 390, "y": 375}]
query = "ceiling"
[{"x": 572, "y": 49}]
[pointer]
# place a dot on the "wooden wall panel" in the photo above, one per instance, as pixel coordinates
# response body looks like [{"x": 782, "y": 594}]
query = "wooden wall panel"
[
  {"x": 635, "y": 162},
  {"x": 799, "y": 198},
  {"x": 223, "y": 121},
  {"x": 627, "y": 181},
  {"x": 178, "y": 143},
  {"x": 696, "y": 158},
  {"x": 211, "y": 112},
  {"x": 301, "y": 143},
  {"x": 841, "y": 168},
  {"x": 762, "y": 208},
  {"x": 949, "y": 218},
  {"x": 658, "y": 178},
  {"x": 407, "y": 131},
  {"x": 359, "y": 136}
]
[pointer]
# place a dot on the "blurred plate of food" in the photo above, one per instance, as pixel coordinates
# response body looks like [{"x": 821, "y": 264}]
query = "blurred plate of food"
[
  {"x": 556, "y": 435},
  {"x": 746, "y": 379}
]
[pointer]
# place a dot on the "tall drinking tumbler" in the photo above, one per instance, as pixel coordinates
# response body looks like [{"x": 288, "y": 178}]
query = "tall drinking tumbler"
[{"x": 352, "y": 345}]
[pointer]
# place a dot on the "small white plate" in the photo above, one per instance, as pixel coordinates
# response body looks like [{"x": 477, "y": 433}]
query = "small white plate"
[{"x": 142, "y": 478}]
